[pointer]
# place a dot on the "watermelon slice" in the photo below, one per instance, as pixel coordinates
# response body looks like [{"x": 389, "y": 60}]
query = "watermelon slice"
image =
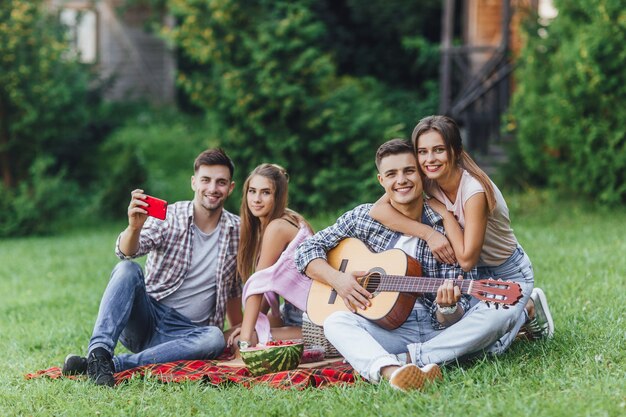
[{"x": 263, "y": 359}]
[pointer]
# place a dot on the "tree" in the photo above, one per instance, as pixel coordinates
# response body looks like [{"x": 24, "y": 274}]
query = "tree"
[
  {"x": 43, "y": 104},
  {"x": 262, "y": 66},
  {"x": 42, "y": 93},
  {"x": 568, "y": 110},
  {"x": 394, "y": 41},
  {"x": 314, "y": 85}
]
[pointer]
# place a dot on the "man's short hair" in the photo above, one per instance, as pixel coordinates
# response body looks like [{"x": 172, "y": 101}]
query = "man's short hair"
[
  {"x": 215, "y": 156},
  {"x": 393, "y": 147}
]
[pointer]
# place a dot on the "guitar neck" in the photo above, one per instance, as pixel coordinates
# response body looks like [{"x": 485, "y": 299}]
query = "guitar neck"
[{"x": 403, "y": 283}]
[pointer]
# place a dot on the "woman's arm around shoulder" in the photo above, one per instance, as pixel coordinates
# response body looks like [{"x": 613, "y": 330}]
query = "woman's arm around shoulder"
[
  {"x": 467, "y": 243},
  {"x": 278, "y": 234},
  {"x": 383, "y": 212}
]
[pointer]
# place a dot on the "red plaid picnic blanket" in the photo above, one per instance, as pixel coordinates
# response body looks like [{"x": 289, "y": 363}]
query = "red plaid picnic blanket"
[{"x": 209, "y": 371}]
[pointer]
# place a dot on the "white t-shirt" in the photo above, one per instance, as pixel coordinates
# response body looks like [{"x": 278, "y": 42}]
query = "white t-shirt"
[
  {"x": 408, "y": 244},
  {"x": 197, "y": 295},
  {"x": 500, "y": 242}
]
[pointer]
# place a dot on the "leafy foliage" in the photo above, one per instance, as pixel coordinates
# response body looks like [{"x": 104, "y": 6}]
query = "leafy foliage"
[
  {"x": 52, "y": 122},
  {"x": 313, "y": 85},
  {"x": 43, "y": 95},
  {"x": 263, "y": 68},
  {"x": 32, "y": 206},
  {"x": 154, "y": 151},
  {"x": 568, "y": 110},
  {"x": 394, "y": 41},
  {"x": 45, "y": 108}
]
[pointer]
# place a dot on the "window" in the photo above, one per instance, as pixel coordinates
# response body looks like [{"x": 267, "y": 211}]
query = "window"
[{"x": 82, "y": 26}]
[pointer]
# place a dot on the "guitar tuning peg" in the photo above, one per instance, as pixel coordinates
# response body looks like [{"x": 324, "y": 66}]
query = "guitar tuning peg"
[
  {"x": 488, "y": 305},
  {"x": 497, "y": 306},
  {"x": 506, "y": 307}
]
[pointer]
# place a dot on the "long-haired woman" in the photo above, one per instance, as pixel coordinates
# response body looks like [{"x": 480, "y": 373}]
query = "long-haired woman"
[
  {"x": 477, "y": 223},
  {"x": 270, "y": 234}
]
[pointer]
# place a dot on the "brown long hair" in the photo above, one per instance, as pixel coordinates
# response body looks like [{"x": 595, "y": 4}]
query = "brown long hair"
[
  {"x": 251, "y": 228},
  {"x": 449, "y": 131}
]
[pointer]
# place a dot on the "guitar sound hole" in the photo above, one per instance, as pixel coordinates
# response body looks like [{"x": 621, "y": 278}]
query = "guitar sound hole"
[{"x": 372, "y": 282}]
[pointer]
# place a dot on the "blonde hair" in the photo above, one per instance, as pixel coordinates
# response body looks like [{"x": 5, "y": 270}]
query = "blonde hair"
[
  {"x": 251, "y": 228},
  {"x": 449, "y": 131}
]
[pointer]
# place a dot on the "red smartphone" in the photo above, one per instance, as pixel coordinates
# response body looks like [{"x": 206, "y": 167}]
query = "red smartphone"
[{"x": 156, "y": 207}]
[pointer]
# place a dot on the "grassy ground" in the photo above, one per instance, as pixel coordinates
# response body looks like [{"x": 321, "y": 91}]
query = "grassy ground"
[{"x": 50, "y": 289}]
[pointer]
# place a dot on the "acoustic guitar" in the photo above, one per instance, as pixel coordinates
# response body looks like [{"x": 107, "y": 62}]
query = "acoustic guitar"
[{"x": 393, "y": 278}]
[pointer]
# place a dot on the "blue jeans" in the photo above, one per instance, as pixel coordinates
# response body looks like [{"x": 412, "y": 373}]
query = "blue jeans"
[
  {"x": 482, "y": 329},
  {"x": 368, "y": 347},
  {"x": 154, "y": 332},
  {"x": 291, "y": 315}
]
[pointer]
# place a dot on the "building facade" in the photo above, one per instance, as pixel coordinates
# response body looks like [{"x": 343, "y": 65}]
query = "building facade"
[{"x": 132, "y": 62}]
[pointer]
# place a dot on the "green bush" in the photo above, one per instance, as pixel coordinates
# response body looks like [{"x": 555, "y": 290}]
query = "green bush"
[
  {"x": 394, "y": 41},
  {"x": 34, "y": 206},
  {"x": 154, "y": 151},
  {"x": 44, "y": 96},
  {"x": 262, "y": 67},
  {"x": 52, "y": 120},
  {"x": 568, "y": 110}
]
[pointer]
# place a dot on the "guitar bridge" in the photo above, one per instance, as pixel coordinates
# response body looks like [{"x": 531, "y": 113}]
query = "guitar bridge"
[{"x": 333, "y": 294}]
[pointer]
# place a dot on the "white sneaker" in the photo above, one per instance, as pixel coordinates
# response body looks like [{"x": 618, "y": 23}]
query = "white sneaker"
[
  {"x": 541, "y": 326},
  {"x": 403, "y": 358},
  {"x": 411, "y": 376}
]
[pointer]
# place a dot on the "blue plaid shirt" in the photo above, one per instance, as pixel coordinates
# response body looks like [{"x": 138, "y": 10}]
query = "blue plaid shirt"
[{"x": 357, "y": 223}]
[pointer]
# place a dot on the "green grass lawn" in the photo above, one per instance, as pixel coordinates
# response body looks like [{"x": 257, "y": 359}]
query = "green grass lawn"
[{"x": 50, "y": 288}]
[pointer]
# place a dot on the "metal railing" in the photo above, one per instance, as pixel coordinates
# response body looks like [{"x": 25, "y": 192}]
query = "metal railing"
[{"x": 476, "y": 99}]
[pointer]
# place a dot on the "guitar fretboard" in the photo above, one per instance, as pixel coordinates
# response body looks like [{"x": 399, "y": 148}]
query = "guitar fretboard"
[{"x": 403, "y": 283}]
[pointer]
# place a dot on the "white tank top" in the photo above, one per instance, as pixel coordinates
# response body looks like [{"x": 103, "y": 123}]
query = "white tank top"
[{"x": 500, "y": 242}]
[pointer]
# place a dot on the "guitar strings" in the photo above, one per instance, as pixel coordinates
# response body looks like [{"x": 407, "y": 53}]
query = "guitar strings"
[{"x": 496, "y": 290}]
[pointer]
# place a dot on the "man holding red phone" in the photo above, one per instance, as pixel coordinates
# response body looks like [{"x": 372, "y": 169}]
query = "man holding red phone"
[{"x": 176, "y": 310}]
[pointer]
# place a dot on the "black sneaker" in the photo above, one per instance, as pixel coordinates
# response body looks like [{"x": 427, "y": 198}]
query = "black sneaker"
[
  {"x": 100, "y": 367},
  {"x": 74, "y": 365}
]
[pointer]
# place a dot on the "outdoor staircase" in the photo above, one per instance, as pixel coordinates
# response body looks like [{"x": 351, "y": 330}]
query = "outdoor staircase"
[{"x": 492, "y": 160}]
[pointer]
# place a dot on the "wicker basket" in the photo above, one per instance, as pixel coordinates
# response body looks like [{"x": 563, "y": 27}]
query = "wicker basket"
[{"x": 313, "y": 335}]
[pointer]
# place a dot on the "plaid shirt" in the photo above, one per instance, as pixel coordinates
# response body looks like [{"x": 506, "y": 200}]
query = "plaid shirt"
[
  {"x": 357, "y": 223},
  {"x": 168, "y": 244}
]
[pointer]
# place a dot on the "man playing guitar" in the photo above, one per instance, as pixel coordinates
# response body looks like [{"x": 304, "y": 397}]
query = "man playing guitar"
[{"x": 434, "y": 332}]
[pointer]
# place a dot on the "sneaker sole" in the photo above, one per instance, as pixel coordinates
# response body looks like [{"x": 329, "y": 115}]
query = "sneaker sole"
[
  {"x": 104, "y": 381},
  {"x": 410, "y": 376}
]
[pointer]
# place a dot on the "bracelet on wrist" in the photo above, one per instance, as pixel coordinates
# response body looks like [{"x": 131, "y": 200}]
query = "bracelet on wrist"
[
  {"x": 243, "y": 344},
  {"x": 446, "y": 311}
]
